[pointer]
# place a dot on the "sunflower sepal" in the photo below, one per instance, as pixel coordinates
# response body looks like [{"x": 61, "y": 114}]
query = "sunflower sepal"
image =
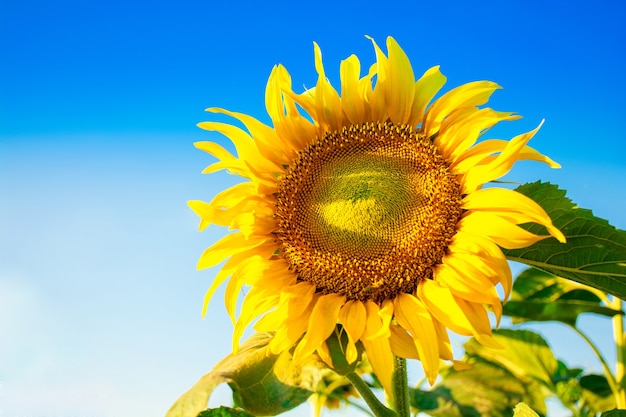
[
  {"x": 334, "y": 352},
  {"x": 262, "y": 383}
]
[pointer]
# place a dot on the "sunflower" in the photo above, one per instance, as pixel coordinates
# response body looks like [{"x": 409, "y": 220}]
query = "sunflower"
[{"x": 365, "y": 207}]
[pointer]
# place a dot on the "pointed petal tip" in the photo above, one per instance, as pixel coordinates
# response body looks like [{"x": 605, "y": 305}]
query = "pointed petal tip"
[
  {"x": 431, "y": 379},
  {"x": 558, "y": 235}
]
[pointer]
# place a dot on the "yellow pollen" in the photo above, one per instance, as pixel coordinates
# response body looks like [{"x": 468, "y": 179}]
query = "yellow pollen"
[{"x": 367, "y": 212}]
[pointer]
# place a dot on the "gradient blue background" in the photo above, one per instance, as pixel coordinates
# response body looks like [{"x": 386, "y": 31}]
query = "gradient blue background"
[{"x": 99, "y": 298}]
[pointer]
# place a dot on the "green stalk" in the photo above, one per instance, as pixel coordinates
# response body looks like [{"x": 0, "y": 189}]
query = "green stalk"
[
  {"x": 400, "y": 386},
  {"x": 378, "y": 408},
  {"x": 607, "y": 370},
  {"x": 620, "y": 350}
]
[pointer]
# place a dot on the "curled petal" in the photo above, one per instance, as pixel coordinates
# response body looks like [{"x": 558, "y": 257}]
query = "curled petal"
[
  {"x": 502, "y": 231},
  {"x": 322, "y": 322},
  {"x": 412, "y": 315},
  {"x": 512, "y": 205},
  {"x": 467, "y": 95},
  {"x": 353, "y": 316}
]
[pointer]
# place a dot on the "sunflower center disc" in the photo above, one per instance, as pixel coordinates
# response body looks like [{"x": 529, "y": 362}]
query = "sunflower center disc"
[{"x": 367, "y": 211}]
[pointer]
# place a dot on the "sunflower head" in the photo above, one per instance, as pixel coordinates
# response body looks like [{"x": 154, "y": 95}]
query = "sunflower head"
[
  {"x": 367, "y": 207},
  {"x": 367, "y": 211}
]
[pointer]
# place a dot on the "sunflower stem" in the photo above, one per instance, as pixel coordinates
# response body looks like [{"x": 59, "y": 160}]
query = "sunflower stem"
[
  {"x": 400, "y": 384},
  {"x": 607, "y": 370},
  {"x": 620, "y": 348},
  {"x": 377, "y": 407}
]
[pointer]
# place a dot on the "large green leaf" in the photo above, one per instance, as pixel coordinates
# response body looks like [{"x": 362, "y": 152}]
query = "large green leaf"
[
  {"x": 485, "y": 390},
  {"x": 497, "y": 380},
  {"x": 525, "y": 354},
  {"x": 262, "y": 384},
  {"x": 541, "y": 296},
  {"x": 595, "y": 252}
]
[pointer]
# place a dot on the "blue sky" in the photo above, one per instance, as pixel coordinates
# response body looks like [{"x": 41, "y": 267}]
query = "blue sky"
[{"x": 99, "y": 298}]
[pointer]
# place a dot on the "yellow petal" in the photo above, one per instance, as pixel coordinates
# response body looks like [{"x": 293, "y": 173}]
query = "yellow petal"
[
  {"x": 378, "y": 319},
  {"x": 400, "y": 89},
  {"x": 229, "y": 245},
  {"x": 271, "y": 274},
  {"x": 353, "y": 317},
  {"x": 287, "y": 335},
  {"x": 226, "y": 159},
  {"x": 376, "y": 97},
  {"x": 265, "y": 250},
  {"x": 460, "y": 316},
  {"x": 294, "y": 131},
  {"x": 291, "y": 317},
  {"x": 380, "y": 357},
  {"x": 234, "y": 195},
  {"x": 232, "y": 292},
  {"x": 465, "y": 279},
  {"x": 498, "y": 229},
  {"x": 293, "y": 303},
  {"x": 210, "y": 214},
  {"x": 222, "y": 275},
  {"x": 512, "y": 206},
  {"x": 351, "y": 99},
  {"x": 499, "y": 166},
  {"x": 489, "y": 252},
  {"x": 322, "y": 322},
  {"x": 477, "y": 316},
  {"x": 372, "y": 110},
  {"x": 327, "y": 101},
  {"x": 257, "y": 302},
  {"x": 445, "y": 348},
  {"x": 266, "y": 150},
  {"x": 412, "y": 315},
  {"x": 249, "y": 272},
  {"x": 483, "y": 151},
  {"x": 467, "y": 271},
  {"x": 214, "y": 149},
  {"x": 425, "y": 89},
  {"x": 467, "y": 95},
  {"x": 402, "y": 344},
  {"x": 251, "y": 224},
  {"x": 459, "y": 135},
  {"x": 232, "y": 166},
  {"x": 444, "y": 307}
]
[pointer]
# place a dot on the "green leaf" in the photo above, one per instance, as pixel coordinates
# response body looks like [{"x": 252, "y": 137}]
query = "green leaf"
[
  {"x": 262, "y": 384},
  {"x": 269, "y": 385},
  {"x": 525, "y": 354},
  {"x": 596, "y": 384},
  {"x": 499, "y": 378},
  {"x": 196, "y": 398},
  {"x": 595, "y": 252},
  {"x": 597, "y": 393},
  {"x": 224, "y": 412},
  {"x": 563, "y": 373},
  {"x": 485, "y": 390},
  {"x": 540, "y": 296},
  {"x": 614, "y": 413}
]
